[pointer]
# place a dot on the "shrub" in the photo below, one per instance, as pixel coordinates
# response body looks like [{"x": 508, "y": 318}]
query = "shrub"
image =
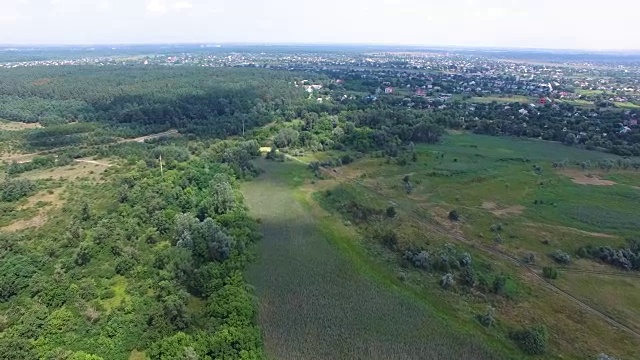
[
  {"x": 419, "y": 259},
  {"x": 389, "y": 238},
  {"x": 529, "y": 258},
  {"x": 499, "y": 283},
  {"x": 454, "y": 216},
  {"x": 533, "y": 340},
  {"x": 627, "y": 258},
  {"x": 107, "y": 294},
  {"x": 468, "y": 277},
  {"x": 447, "y": 281},
  {"x": 550, "y": 272},
  {"x": 124, "y": 265},
  {"x": 12, "y": 190},
  {"x": 496, "y": 227},
  {"x": 391, "y": 212},
  {"x": 488, "y": 318},
  {"x": 465, "y": 260},
  {"x": 82, "y": 255},
  {"x": 561, "y": 257}
]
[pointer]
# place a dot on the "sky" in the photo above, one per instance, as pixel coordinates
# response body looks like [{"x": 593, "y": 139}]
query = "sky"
[{"x": 552, "y": 24}]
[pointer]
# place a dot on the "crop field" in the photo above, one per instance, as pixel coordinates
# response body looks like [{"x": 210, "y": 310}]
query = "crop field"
[
  {"x": 513, "y": 200},
  {"x": 321, "y": 297}
]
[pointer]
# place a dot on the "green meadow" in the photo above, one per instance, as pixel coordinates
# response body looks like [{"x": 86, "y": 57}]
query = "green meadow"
[{"x": 327, "y": 261}]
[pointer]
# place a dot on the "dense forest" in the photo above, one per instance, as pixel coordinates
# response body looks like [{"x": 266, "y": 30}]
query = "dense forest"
[
  {"x": 133, "y": 101},
  {"x": 144, "y": 261}
]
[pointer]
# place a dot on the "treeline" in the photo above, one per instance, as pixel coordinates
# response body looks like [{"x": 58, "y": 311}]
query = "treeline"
[
  {"x": 367, "y": 130},
  {"x": 627, "y": 258},
  {"x": 147, "y": 262},
  {"x": 138, "y": 100}
]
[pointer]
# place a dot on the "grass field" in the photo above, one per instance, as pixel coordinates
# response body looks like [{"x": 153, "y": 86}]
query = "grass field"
[
  {"x": 79, "y": 170},
  {"x": 321, "y": 296},
  {"x": 510, "y": 99},
  {"x": 15, "y": 126},
  {"x": 627, "y": 105},
  {"x": 492, "y": 181},
  {"x": 32, "y": 212}
]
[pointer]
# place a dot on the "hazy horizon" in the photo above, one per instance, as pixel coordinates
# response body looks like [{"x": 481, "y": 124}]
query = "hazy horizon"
[{"x": 517, "y": 24}]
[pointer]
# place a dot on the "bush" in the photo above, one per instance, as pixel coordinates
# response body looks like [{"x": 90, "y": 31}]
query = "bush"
[
  {"x": 488, "y": 318},
  {"x": 465, "y": 260},
  {"x": 16, "y": 349},
  {"x": 447, "y": 281},
  {"x": 389, "y": 239},
  {"x": 468, "y": 277},
  {"x": 124, "y": 265},
  {"x": 12, "y": 190},
  {"x": 391, "y": 212},
  {"x": 107, "y": 294},
  {"x": 498, "y": 284},
  {"x": 627, "y": 258},
  {"x": 418, "y": 259},
  {"x": 496, "y": 227},
  {"x": 529, "y": 258},
  {"x": 454, "y": 216},
  {"x": 550, "y": 272},
  {"x": 561, "y": 257},
  {"x": 532, "y": 341}
]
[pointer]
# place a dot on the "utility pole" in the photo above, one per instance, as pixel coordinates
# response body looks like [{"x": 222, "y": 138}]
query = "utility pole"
[
  {"x": 161, "y": 170},
  {"x": 243, "y": 126}
]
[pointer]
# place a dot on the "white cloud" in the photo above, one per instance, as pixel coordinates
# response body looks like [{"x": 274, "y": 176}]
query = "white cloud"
[
  {"x": 9, "y": 19},
  {"x": 104, "y": 5},
  {"x": 183, "y": 5},
  {"x": 156, "y": 7}
]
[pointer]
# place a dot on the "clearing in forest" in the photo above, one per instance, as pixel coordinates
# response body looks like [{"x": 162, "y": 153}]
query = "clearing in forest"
[
  {"x": 314, "y": 300},
  {"x": 16, "y": 126},
  {"x": 44, "y": 202},
  {"x": 81, "y": 169}
]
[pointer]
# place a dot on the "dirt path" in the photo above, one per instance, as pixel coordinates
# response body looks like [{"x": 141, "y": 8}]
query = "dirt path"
[
  {"x": 94, "y": 162},
  {"x": 315, "y": 304}
]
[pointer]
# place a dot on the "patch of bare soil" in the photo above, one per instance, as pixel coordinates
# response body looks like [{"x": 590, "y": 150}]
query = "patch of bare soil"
[
  {"x": 511, "y": 210},
  {"x": 15, "y": 126},
  {"x": 583, "y": 178},
  {"x": 45, "y": 197},
  {"x": 36, "y": 221},
  {"x": 17, "y": 157},
  {"x": 488, "y": 205},
  {"x": 442, "y": 217},
  {"x": 52, "y": 201}
]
